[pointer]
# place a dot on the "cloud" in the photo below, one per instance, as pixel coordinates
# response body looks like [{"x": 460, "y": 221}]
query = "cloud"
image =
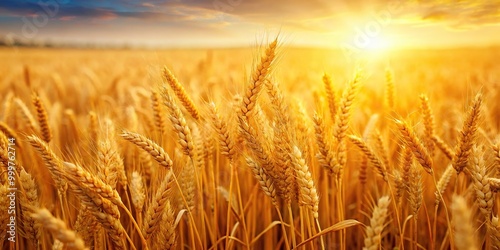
[
  {"x": 85, "y": 10},
  {"x": 297, "y": 13},
  {"x": 457, "y": 14},
  {"x": 220, "y": 19}
]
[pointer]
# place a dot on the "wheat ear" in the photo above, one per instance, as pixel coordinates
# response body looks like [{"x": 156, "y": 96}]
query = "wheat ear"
[
  {"x": 496, "y": 152},
  {"x": 416, "y": 146},
  {"x": 325, "y": 156},
  {"x": 226, "y": 141},
  {"x": 165, "y": 236},
  {"x": 415, "y": 190},
  {"x": 8, "y": 131},
  {"x": 389, "y": 88},
  {"x": 265, "y": 181},
  {"x": 443, "y": 182},
  {"x": 109, "y": 161},
  {"x": 259, "y": 74},
  {"x": 308, "y": 196},
  {"x": 282, "y": 137},
  {"x": 179, "y": 124},
  {"x": 89, "y": 182},
  {"x": 494, "y": 231},
  {"x": 4, "y": 204},
  {"x": 462, "y": 222},
  {"x": 467, "y": 135},
  {"x": 157, "y": 207},
  {"x": 330, "y": 95},
  {"x": 180, "y": 92},
  {"x": 52, "y": 162},
  {"x": 494, "y": 184},
  {"x": 157, "y": 152},
  {"x": 484, "y": 195},
  {"x": 448, "y": 152},
  {"x": 157, "y": 112},
  {"x": 373, "y": 237},
  {"x": 29, "y": 201},
  {"x": 428, "y": 123},
  {"x": 368, "y": 152},
  {"x": 43, "y": 119},
  {"x": 342, "y": 122},
  {"x": 25, "y": 112},
  {"x": 137, "y": 191},
  {"x": 59, "y": 229}
]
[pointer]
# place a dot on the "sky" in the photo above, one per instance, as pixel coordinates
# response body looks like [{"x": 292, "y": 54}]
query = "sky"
[{"x": 353, "y": 24}]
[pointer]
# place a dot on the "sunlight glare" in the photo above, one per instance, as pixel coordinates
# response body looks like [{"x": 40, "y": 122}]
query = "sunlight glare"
[{"x": 378, "y": 44}]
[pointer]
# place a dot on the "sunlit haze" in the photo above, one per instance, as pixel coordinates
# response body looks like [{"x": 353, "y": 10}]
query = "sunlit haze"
[{"x": 363, "y": 24}]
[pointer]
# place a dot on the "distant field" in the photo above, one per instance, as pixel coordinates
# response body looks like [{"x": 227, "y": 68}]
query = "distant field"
[{"x": 248, "y": 148}]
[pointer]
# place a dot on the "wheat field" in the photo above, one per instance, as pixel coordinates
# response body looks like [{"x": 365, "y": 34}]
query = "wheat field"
[{"x": 252, "y": 148}]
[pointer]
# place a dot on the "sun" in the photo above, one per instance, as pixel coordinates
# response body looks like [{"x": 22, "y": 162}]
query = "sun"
[{"x": 378, "y": 44}]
